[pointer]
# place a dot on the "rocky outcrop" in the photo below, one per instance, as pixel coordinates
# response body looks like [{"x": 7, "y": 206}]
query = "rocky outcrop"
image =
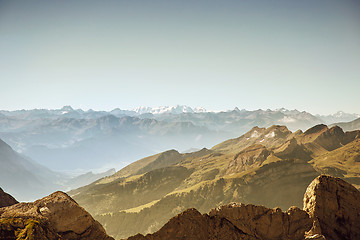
[
  {"x": 26, "y": 228},
  {"x": 235, "y": 221},
  {"x": 335, "y": 208},
  {"x": 56, "y": 216},
  {"x": 331, "y": 211},
  {"x": 191, "y": 224},
  {"x": 265, "y": 223},
  {"x": 6, "y": 199}
]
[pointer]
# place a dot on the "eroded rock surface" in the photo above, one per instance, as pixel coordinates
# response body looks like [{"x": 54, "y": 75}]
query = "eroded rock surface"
[
  {"x": 235, "y": 221},
  {"x": 191, "y": 224},
  {"x": 334, "y": 206},
  {"x": 56, "y": 216},
  {"x": 266, "y": 223}
]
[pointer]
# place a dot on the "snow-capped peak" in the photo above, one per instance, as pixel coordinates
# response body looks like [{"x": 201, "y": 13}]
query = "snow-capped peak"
[
  {"x": 66, "y": 108},
  {"x": 339, "y": 114},
  {"x": 199, "y": 110},
  {"x": 169, "y": 109},
  {"x": 142, "y": 109}
]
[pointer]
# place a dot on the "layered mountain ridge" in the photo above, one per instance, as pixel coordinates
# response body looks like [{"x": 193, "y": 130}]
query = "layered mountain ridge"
[
  {"x": 66, "y": 139},
  {"x": 266, "y": 166},
  {"x": 330, "y": 211}
]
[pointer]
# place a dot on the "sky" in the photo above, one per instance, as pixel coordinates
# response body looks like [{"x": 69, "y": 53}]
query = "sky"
[{"x": 251, "y": 54}]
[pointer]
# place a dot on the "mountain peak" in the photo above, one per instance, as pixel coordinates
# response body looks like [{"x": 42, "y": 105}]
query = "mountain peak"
[
  {"x": 167, "y": 109},
  {"x": 199, "y": 109},
  {"x": 67, "y": 108},
  {"x": 316, "y": 129}
]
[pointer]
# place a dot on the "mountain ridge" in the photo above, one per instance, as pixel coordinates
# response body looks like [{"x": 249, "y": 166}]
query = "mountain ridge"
[{"x": 265, "y": 166}]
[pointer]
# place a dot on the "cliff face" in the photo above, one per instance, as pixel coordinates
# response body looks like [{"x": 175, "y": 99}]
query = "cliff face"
[
  {"x": 331, "y": 211},
  {"x": 56, "y": 216},
  {"x": 334, "y": 206}
]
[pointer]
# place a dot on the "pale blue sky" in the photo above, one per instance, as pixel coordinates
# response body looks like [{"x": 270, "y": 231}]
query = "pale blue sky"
[{"x": 216, "y": 54}]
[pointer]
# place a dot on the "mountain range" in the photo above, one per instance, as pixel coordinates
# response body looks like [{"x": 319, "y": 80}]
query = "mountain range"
[
  {"x": 265, "y": 166},
  {"x": 66, "y": 139},
  {"x": 69, "y": 112}
]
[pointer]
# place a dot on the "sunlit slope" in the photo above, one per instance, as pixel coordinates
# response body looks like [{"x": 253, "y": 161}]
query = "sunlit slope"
[
  {"x": 271, "y": 167},
  {"x": 343, "y": 162}
]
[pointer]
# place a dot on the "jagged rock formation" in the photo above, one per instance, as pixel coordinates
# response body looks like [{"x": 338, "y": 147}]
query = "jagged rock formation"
[
  {"x": 331, "y": 211},
  {"x": 6, "y": 199},
  {"x": 265, "y": 223},
  {"x": 335, "y": 208},
  {"x": 56, "y": 216},
  {"x": 235, "y": 221},
  {"x": 191, "y": 224}
]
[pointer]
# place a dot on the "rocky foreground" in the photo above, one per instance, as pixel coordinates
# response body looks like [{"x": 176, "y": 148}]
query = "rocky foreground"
[
  {"x": 56, "y": 216},
  {"x": 331, "y": 211}
]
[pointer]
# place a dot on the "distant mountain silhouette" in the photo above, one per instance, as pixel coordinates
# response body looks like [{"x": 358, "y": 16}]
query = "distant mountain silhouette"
[
  {"x": 349, "y": 126},
  {"x": 66, "y": 139}
]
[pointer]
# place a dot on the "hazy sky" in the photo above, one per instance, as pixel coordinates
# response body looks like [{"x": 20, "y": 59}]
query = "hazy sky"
[{"x": 216, "y": 54}]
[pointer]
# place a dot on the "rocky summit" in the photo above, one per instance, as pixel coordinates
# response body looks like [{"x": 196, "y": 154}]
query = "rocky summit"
[
  {"x": 56, "y": 216},
  {"x": 334, "y": 206},
  {"x": 331, "y": 212}
]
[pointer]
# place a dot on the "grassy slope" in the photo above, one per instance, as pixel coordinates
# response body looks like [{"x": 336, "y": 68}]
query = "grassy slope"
[{"x": 205, "y": 179}]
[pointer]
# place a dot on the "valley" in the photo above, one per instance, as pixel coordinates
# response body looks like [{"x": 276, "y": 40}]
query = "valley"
[
  {"x": 269, "y": 166},
  {"x": 266, "y": 166},
  {"x": 179, "y": 120}
]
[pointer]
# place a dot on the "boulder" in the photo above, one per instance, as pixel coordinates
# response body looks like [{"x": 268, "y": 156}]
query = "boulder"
[{"x": 57, "y": 214}]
